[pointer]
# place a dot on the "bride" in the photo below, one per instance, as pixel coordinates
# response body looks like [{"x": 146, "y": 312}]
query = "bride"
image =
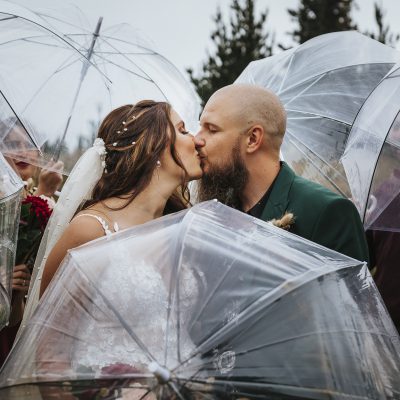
[{"x": 137, "y": 170}]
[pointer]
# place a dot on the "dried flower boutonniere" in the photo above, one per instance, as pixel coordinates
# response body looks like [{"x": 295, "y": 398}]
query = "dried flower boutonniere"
[{"x": 285, "y": 222}]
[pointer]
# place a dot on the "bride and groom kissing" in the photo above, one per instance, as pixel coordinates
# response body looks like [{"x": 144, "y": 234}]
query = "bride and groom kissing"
[
  {"x": 138, "y": 170},
  {"x": 143, "y": 159}
]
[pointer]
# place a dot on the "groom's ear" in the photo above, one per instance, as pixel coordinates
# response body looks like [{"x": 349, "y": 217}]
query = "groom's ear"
[{"x": 254, "y": 138}]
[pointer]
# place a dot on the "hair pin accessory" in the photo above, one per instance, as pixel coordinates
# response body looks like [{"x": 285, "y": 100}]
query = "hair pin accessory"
[{"x": 115, "y": 143}]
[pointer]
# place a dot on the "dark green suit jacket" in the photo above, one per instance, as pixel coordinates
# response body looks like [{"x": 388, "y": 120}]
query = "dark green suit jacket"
[{"x": 320, "y": 215}]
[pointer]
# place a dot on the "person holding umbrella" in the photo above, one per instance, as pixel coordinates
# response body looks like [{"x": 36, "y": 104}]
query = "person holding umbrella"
[
  {"x": 48, "y": 183},
  {"x": 241, "y": 131}
]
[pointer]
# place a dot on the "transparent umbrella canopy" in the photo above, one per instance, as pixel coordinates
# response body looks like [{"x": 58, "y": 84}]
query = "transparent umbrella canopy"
[
  {"x": 372, "y": 156},
  {"x": 59, "y": 86},
  {"x": 10, "y": 206},
  {"x": 128, "y": 58},
  {"x": 208, "y": 303},
  {"x": 322, "y": 83}
]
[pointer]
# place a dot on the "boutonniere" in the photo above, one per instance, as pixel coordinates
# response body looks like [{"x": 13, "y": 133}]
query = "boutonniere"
[{"x": 285, "y": 222}]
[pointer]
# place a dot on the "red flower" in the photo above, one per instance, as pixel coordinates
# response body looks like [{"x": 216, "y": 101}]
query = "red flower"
[
  {"x": 118, "y": 369},
  {"x": 35, "y": 213},
  {"x": 40, "y": 208}
]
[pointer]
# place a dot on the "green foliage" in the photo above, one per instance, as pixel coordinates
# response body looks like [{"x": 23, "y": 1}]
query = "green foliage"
[
  {"x": 316, "y": 17},
  {"x": 384, "y": 35},
  {"x": 237, "y": 44}
]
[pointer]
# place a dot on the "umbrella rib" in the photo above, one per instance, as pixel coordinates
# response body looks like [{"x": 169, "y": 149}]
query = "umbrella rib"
[
  {"x": 256, "y": 348},
  {"x": 315, "y": 166},
  {"x": 19, "y": 120},
  {"x": 210, "y": 296},
  {"x": 104, "y": 37},
  {"x": 63, "y": 21},
  {"x": 305, "y": 89},
  {"x": 175, "y": 389},
  {"x": 316, "y": 115},
  {"x": 132, "y": 62},
  {"x": 286, "y": 73},
  {"x": 113, "y": 53},
  {"x": 170, "y": 295},
  {"x": 148, "y": 391},
  {"x": 333, "y": 70},
  {"x": 28, "y": 39},
  {"x": 7, "y": 18},
  {"x": 106, "y": 60}
]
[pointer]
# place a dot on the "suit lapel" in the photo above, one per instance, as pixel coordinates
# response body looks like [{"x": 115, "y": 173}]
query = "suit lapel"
[{"x": 279, "y": 197}]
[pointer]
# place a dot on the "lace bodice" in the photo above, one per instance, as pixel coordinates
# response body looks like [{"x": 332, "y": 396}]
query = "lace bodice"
[{"x": 144, "y": 309}]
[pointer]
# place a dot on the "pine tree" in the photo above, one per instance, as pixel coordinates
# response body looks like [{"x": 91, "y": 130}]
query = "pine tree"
[
  {"x": 237, "y": 44},
  {"x": 316, "y": 17},
  {"x": 384, "y": 35}
]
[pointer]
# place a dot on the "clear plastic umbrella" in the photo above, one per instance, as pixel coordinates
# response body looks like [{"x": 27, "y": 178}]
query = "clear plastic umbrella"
[
  {"x": 323, "y": 83},
  {"x": 10, "y": 206},
  {"x": 60, "y": 87},
  {"x": 372, "y": 156},
  {"x": 208, "y": 303}
]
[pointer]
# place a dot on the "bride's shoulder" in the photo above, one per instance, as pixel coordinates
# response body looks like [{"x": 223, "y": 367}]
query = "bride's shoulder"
[{"x": 84, "y": 228}]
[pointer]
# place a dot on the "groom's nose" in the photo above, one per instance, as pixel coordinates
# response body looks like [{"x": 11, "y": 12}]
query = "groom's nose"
[{"x": 199, "y": 142}]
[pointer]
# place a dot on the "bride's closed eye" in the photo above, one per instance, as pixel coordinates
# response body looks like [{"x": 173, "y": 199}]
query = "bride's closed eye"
[{"x": 183, "y": 130}]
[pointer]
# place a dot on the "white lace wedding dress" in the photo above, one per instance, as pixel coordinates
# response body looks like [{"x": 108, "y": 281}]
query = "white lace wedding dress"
[{"x": 134, "y": 294}]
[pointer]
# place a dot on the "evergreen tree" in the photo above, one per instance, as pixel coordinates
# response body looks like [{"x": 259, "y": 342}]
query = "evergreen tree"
[
  {"x": 316, "y": 17},
  {"x": 237, "y": 44},
  {"x": 384, "y": 35}
]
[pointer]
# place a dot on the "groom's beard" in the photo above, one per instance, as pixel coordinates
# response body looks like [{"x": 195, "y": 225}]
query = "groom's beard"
[{"x": 225, "y": 182}]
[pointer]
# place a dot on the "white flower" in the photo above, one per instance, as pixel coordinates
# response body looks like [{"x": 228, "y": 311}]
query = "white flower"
[{"x": 99, "y": 146}]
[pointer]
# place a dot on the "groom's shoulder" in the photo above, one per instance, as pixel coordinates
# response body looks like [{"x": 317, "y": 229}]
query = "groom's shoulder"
[
  {"x": 315, "y": 197},
  {"x": 312, "y": 190}
]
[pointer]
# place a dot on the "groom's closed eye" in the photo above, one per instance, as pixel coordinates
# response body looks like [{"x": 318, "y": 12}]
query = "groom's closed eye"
[{"x": 209, "y": 127}]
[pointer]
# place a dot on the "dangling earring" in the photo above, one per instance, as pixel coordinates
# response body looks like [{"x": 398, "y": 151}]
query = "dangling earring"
[{"x": 158, "y": 163}]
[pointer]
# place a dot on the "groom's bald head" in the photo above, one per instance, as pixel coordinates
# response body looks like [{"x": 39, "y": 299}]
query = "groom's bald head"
[{"x": 247, "y": 105}]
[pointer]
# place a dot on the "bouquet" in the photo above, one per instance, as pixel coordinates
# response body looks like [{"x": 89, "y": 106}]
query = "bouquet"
[{"x": 35, "y": 213}]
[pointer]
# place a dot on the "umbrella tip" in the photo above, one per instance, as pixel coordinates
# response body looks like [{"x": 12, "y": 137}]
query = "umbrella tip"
[{"x": 162, "y": 374}]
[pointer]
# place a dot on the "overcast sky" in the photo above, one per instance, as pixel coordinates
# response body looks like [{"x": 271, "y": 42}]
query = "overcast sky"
[{"x": 181, "y": 28}]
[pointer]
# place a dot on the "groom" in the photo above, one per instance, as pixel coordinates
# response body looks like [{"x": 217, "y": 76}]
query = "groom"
[{"x": 241, "y": 132}]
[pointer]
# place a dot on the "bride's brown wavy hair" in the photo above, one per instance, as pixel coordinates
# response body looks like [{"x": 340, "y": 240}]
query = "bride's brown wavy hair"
[{"x": 135, "y": 137}]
